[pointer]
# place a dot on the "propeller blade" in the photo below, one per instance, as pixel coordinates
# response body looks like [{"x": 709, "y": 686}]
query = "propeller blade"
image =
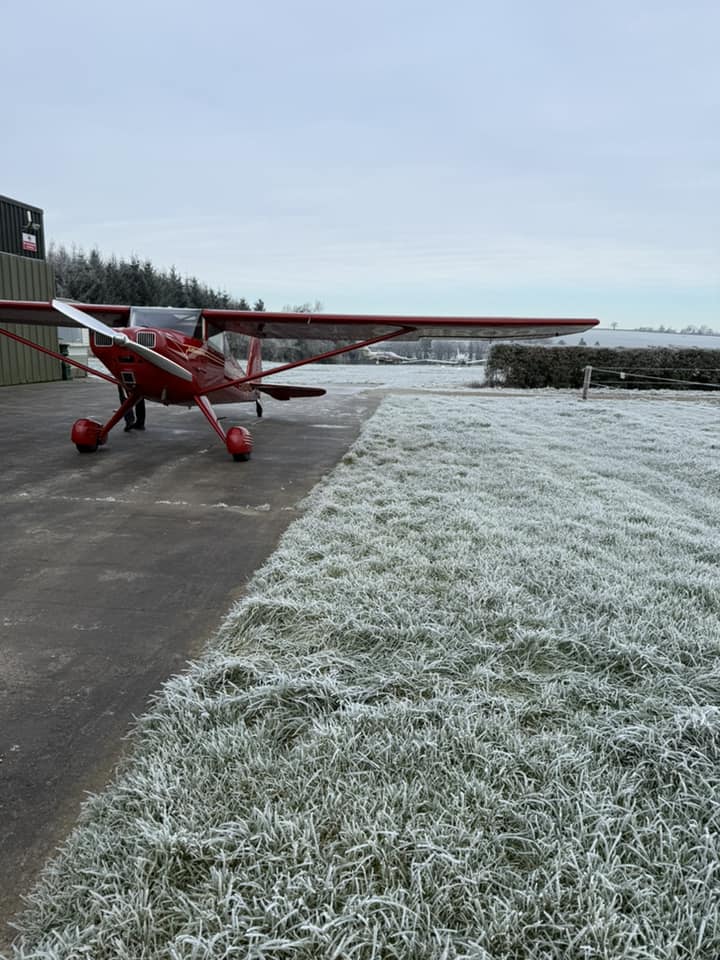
[
  {"x": 97, "y": 326},
  {"x": 85, "y": 320},
  {"x": 152, "y": 356}
]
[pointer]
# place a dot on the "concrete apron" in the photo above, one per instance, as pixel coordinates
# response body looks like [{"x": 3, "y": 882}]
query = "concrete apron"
[{"x": 116, "y": 568}]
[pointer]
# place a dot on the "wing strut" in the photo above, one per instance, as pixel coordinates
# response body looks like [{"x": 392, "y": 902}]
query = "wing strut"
[
  {"x": 58, "y": 356},
  {"x": 251, "y": 378}
]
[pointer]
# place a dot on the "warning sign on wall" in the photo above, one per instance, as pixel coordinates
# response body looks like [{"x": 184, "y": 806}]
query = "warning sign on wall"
[{"x": 29, "y": 242}]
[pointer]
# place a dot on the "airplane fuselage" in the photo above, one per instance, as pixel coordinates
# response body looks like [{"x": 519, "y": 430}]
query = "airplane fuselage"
[{"x": 209, "y": 367}]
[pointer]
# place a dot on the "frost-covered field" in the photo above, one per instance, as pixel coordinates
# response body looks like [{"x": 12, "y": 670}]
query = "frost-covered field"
[
  {"x": 410, "y": 376},
  {"x": 470, "y": 708},
  {"x": 453, "y": 379}
]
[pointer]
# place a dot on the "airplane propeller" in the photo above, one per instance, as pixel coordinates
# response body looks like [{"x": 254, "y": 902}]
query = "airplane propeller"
[{"x": 121, "y": 339}]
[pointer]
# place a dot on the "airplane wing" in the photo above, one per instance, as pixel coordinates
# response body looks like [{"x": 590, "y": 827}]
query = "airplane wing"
[
  {"x": 315, "y": 326},
  {"x": 339, "y": 326},
  {"x": 43, "y": 313}
]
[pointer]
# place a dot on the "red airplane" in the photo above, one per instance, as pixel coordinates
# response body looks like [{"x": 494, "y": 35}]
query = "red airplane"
[{"x": 173, "y": 355}]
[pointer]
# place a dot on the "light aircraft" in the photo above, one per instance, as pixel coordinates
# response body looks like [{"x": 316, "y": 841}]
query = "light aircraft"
[
  {"x": 177, "y": 355},
  {"x": 387, "y": 356}
]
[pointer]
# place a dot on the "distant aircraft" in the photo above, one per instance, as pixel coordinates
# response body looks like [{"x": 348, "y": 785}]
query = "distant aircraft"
[
  {"x": 178, "y": 356},
  {"x": 387, "y": 356}
]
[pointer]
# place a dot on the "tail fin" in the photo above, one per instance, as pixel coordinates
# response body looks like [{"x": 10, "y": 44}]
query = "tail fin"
[{"x": 254, "y": 364}]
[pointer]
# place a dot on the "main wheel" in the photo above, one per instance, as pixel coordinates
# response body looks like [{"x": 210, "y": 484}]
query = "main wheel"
[
  {"x": 86, "y": 435},
  {"x": 239, "y": 443}
]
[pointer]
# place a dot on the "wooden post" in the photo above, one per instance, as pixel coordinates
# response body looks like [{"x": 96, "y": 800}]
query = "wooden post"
[{"x": 586, "y": 382}]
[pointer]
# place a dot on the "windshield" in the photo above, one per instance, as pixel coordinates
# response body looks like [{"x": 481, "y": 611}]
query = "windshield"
[{"x": 184, "y": 320}]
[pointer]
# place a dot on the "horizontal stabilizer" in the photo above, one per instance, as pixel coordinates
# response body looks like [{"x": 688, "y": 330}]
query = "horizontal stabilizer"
[{"x": 279, "y": 391}]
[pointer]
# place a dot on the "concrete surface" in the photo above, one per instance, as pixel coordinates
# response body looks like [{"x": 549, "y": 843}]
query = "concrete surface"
[{"x": 115, "y": 569}]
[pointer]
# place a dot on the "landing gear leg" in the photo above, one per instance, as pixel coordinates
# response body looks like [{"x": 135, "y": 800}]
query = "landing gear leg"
[{"x": 237, "y": 440}]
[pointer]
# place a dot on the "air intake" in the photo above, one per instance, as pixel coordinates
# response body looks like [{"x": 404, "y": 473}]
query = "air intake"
[
  {"x": 146, "y": 339},
  {"x": 102, "y": 340}
]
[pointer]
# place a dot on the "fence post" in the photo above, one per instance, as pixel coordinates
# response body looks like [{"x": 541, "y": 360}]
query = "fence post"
[{"x": 586, "y": 382}]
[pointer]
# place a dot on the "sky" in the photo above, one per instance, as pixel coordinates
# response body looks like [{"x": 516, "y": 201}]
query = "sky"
[{"x": 474, "y": 157}]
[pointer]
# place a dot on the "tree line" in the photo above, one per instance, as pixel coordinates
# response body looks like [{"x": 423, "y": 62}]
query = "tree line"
[
  {"x": 92, "y": 278},
  {"x": 698, "y": 331}
]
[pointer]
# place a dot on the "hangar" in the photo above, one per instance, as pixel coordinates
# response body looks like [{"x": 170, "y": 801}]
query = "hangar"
[{"x": 25, "y": 275}]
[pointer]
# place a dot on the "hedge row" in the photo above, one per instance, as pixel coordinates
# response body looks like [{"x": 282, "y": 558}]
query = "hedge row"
[{"x": 517, "y": 365}]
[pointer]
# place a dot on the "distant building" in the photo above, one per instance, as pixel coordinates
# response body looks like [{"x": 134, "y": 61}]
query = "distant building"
[{"x": 25, "y": 275}]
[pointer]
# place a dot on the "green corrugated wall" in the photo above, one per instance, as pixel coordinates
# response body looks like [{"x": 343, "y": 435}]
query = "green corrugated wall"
[{"x": 25, "y": 279}]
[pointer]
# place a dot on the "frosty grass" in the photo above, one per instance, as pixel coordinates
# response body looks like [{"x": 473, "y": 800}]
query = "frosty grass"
[{"x": 469, "y": 708}]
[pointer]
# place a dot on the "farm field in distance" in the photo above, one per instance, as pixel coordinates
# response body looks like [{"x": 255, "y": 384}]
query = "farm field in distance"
[{"x": 469, "y": 708}]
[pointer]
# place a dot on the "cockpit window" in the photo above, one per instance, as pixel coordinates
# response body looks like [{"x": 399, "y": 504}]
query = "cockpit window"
[{"x": 182, "y": 320}]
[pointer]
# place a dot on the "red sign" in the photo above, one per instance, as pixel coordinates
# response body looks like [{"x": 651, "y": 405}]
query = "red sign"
[{"x": 29, "y": 242}]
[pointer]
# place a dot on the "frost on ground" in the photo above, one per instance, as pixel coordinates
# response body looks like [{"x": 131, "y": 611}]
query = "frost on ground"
[
  {"x": 403, "y": 376},
  {"x": 470, "y": 708}
]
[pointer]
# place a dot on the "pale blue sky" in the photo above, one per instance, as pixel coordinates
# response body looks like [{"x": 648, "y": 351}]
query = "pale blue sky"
[{"x": 518, "y": 157}]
